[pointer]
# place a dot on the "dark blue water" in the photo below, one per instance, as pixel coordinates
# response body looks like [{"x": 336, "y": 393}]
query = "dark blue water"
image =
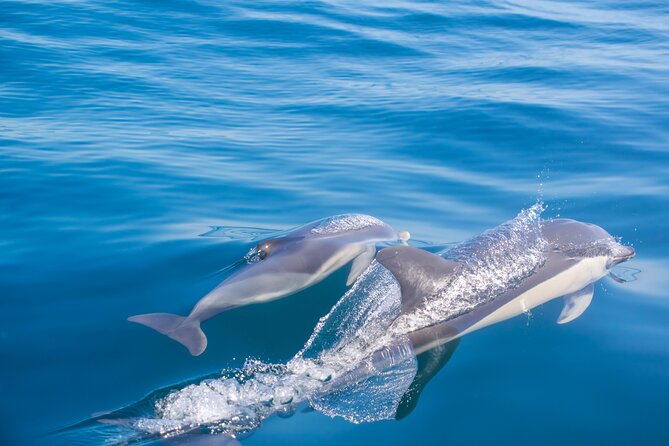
[{"x": 128, "y": 128}]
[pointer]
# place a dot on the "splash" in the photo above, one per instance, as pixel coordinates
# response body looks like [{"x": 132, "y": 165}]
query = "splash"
[
  {"x": 252, "y": 256},
  {"x": 345, "y": 222},
  {"x": 490, "y": 264},
  {"x": 369, "y": 377}
]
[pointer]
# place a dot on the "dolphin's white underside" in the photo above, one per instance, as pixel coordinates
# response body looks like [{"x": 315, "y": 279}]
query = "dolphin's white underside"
[{"x": 582, "y": 274}]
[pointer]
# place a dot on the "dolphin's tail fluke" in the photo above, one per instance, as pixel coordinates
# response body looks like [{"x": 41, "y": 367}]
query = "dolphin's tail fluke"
[{"x": 187, "y": 332}]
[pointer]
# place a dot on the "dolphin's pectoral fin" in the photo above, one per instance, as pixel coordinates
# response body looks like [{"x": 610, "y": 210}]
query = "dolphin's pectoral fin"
[
  {"x": 360, "y": 264},
  {"x": 575, "y": 304},
  {"x": 420, "y": 273},
  {"x": 429, "y": 364}
]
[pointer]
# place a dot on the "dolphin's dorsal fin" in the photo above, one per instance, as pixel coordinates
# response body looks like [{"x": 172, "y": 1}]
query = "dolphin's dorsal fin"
[
  {"x": 575, "y": 304},
  {"x": 360, "y": 264},
  {"x": 429, "y": 364},
  {"x": 420, "y": 273}
]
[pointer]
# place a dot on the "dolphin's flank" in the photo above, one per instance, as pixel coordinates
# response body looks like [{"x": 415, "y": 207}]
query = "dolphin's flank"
[{"x": 280, "y": 267}]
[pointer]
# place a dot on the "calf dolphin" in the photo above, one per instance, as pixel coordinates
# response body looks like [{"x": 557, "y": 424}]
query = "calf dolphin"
[
  {"x": 280, "y": 267},
  {"x": 575, "y": 256}
]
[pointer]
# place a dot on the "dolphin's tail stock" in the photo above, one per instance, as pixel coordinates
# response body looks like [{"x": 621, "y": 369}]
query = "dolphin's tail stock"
[{"x": 187, "y": 332}]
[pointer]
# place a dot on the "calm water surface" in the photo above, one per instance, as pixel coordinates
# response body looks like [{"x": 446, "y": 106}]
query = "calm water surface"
[{"x": 127, "y": 129}]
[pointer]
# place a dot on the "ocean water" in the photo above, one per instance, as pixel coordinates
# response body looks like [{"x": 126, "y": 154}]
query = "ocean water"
[{"x": 129, "y": 129}]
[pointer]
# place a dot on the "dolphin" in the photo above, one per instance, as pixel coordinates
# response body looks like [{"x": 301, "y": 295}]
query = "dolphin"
[
  {"x": 576, "y": 255},
  {"x": 280, "y": 267}
]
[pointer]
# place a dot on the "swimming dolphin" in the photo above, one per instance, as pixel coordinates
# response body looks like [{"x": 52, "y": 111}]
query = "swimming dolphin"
[
  {"x": 280, "y": 267},
  {"x": 576, "y": 255}
]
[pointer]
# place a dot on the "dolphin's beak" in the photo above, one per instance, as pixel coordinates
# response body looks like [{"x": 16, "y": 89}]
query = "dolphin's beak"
[{"x": 627, "y": 252}]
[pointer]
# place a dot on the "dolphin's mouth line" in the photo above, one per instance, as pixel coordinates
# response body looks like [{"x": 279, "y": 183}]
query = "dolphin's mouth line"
[{"x": 622, "y": 257}]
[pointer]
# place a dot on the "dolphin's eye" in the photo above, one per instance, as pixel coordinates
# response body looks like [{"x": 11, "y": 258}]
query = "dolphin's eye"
[{"x": 261, "y": 251}]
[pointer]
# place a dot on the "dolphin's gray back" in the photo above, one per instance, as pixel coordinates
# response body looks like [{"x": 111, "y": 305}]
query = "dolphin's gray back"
[{"x": 563, "y": 233}]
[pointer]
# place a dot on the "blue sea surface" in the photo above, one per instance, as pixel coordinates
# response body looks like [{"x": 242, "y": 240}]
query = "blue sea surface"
[{"x": 129, "y": 128}]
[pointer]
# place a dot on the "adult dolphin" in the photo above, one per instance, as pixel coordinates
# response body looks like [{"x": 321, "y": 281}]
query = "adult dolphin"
[
  {"x": 576, "y": 255},
  {"x": 280, "y": 267}
]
